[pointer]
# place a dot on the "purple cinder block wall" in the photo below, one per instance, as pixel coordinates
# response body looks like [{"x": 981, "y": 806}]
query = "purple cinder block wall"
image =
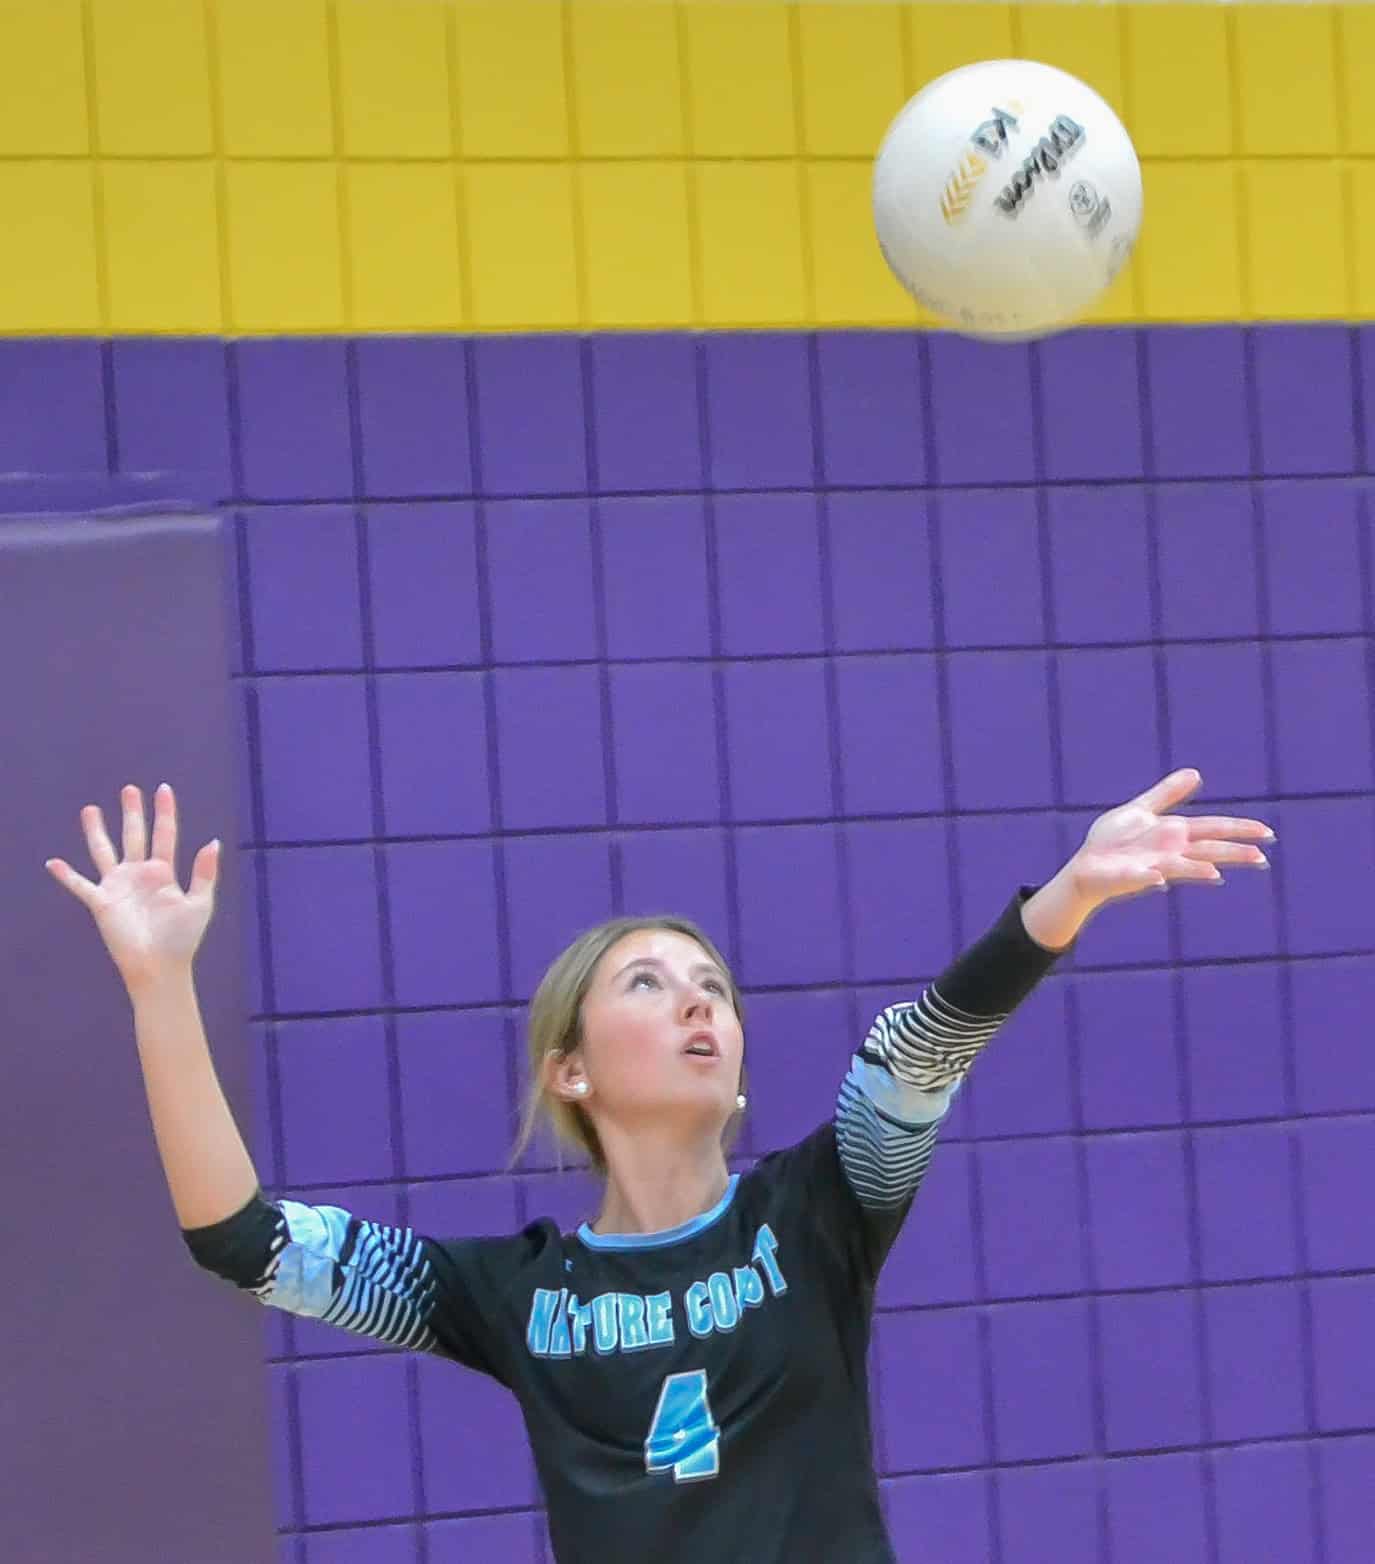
[{"x": 537, "y": 630}]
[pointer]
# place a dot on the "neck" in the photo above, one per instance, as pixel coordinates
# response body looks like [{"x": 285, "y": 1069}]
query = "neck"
[{"x": 651, "y": 1187}]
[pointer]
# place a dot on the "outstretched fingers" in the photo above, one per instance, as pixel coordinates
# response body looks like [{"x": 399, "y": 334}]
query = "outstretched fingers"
[
  {"x": 165, "y": 825},
  {"x": 1226, "y": 852},
  {"x": 135, "y": 826},
  {"x": 97, "y": 839},
  {"x": 77, "y": 884},
  {"x": 1184, "y": 866},
  {"x": 1226, "y": 828},
  {"x": 1169, "y": 791}
]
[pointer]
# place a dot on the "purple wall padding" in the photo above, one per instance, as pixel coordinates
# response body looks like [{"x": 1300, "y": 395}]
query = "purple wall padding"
[{"x": 134, "y": 1423}]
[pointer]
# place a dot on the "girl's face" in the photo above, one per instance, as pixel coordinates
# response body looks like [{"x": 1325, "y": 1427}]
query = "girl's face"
[{"x": 651, "y": 996}]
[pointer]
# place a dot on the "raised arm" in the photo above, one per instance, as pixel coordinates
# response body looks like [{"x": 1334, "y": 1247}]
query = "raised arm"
[
  {"x": 318, "y": 1261},
  {"x": 152, "y": 930},
  {"x": 915, "y": 1056},
  {"x": 901, "y": 1082}
]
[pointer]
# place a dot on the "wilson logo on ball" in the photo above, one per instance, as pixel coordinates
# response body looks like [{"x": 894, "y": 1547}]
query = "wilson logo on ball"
[
  {"x": 960, "y": 187},
  {"x": 1045, "y": 157}
]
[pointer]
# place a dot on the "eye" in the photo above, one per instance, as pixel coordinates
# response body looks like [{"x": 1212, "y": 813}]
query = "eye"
[{"x": 714, "y": 983}]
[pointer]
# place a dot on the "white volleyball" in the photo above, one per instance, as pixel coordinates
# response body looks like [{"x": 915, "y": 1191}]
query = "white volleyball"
[{"x": 1007, "y": 196}]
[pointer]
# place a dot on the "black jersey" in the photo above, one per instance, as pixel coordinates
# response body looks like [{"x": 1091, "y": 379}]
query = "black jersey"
[
  {"x": 700, "y": 1392},
  {"x": 695, "y": 1393}
]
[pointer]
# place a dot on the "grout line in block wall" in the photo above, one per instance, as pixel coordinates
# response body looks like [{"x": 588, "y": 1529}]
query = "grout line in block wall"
[
  {"x": 341, "y": 194},
  {"x": 221, "y": 168}
]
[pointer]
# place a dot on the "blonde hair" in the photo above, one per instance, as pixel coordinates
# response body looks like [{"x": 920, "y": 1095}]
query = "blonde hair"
[{"x": 554, "y": 1026}]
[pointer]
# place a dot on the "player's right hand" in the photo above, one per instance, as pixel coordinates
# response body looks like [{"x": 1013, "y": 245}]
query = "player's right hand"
[{"x": 151, "y": 927}]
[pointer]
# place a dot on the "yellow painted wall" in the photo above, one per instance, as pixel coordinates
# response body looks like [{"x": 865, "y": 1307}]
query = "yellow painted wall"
[{"x": 265, "y": 166}]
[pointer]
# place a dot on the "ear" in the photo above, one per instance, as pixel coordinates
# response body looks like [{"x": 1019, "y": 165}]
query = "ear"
[{"x": 561, "y": 1072}]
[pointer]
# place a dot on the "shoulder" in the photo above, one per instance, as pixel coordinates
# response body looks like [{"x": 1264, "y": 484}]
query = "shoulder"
[
  {"x": 805, "y": 1166},
  {"x": 495, "y": 1260}
]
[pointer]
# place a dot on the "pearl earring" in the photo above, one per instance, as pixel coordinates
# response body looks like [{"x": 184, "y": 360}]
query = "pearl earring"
[
  {"x": 580, "y": 1087},
  {"x": 740, "y": 1103}
]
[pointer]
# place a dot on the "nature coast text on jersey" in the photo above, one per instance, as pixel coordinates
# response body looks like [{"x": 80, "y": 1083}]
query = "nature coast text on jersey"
[{"x": 628, "y": 1322}]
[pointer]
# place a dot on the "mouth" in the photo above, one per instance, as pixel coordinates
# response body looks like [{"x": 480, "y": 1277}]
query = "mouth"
[{"x": 702, "y": 1045}]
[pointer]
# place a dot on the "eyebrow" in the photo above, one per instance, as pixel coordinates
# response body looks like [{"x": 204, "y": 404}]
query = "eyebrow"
[{"x": 653, "y": 961}]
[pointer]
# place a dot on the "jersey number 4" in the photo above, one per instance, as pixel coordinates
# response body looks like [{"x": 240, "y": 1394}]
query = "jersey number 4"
[{"x": 684, "y": 1434}]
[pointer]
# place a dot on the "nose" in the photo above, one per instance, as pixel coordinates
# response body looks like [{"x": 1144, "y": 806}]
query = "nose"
[{"x": 698, "y": 1000}]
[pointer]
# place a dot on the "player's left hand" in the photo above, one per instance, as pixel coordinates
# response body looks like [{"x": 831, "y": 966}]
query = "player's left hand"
[{"x": 1140, "y": 846}]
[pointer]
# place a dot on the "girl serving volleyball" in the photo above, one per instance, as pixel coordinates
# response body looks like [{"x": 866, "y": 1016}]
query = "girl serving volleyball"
[{"x": 691, "y": 1363}]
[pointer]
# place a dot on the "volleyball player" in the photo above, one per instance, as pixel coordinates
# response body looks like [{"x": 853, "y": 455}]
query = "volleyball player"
[{"x": 691, "y": 1362}]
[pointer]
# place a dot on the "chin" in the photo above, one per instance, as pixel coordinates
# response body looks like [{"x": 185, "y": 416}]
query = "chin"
[{"x": 709, "y": 1106}]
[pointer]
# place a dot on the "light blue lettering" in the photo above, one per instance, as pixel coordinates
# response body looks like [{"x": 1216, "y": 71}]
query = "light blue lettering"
[
  {"x": 723, "y": 1304},
  {"x": 579, "y": 1318},
  {"x": 634, "y": 1336},
  {"x": 765, "y": 1249},
  {"x": 659, "y": 1312},
  {"x": 559, "y": 1345},
  {"x": 542, "y": 1307},
  {"x": 604, "y": 1322},
  {"x": 698, "y": 1310},
  {"x": 560, "y": 1324},
  {"x": 749, "y": 1287}
]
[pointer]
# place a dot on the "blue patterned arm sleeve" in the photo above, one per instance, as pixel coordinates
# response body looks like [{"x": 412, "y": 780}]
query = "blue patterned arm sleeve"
[
  {"x": 900, "y": 1084},
  {"x": 324, "y": 1263}
]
